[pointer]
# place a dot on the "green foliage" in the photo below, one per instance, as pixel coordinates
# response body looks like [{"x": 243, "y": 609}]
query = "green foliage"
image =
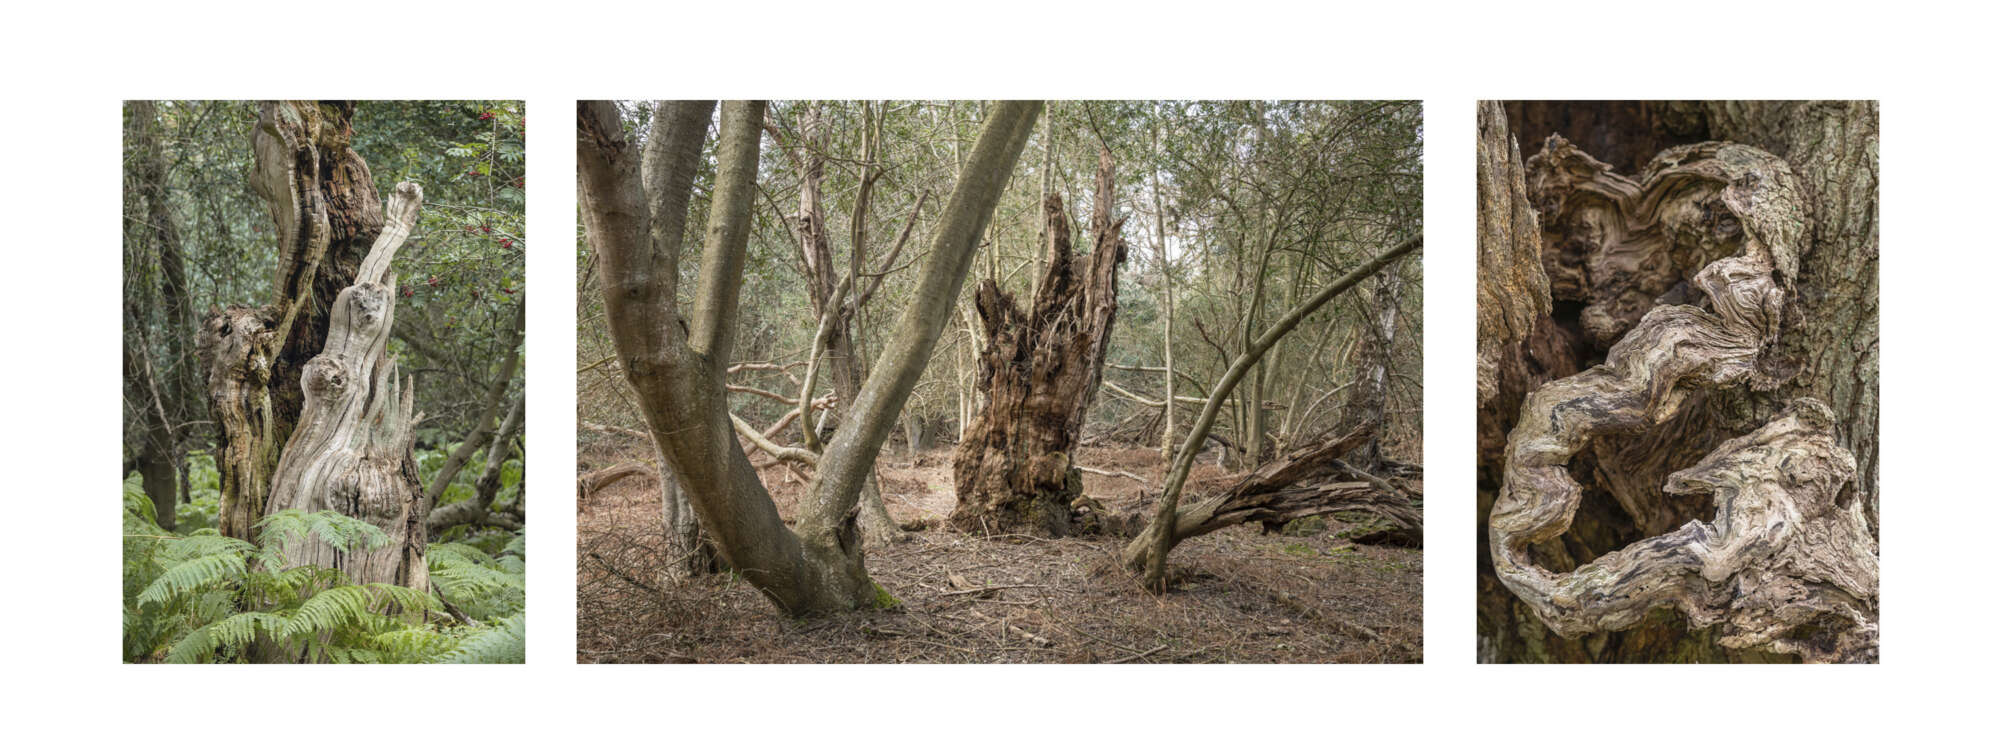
[
  {"x": 506, "y": 640},
  {"x": 480, "y": 584},
  {"x": 201, "y": 597},
  {"x": 203, "y": 503}
]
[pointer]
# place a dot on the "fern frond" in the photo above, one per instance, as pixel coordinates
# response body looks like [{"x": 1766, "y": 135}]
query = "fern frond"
[
  {"x": 189, "y": 576},
  {"x": 333, "y": 528},
  {"x": 505, "y": 641},
  {"x": 330, "y": 609},
  {"x": 231, "y": 633}
]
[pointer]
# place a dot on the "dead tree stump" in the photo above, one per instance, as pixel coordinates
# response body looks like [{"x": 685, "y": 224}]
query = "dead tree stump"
[
  {"x": 350, "y": 452},
  {"x": 1014, "y": 470}
]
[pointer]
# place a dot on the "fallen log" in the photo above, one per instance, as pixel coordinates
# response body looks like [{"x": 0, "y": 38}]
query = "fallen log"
[
  {"x": 598, "y": 480},
  {"x": 1307, "y": 482}
]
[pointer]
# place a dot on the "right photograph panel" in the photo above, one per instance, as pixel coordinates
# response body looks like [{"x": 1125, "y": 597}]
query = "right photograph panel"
[{"x": 1677, "y": 381}]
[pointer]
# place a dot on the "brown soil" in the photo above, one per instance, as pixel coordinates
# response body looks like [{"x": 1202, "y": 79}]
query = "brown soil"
[{"x": 1240, "y": 596}]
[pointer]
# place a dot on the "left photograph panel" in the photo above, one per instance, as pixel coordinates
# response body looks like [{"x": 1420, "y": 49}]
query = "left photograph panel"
[{"x": 323, "y": 452}]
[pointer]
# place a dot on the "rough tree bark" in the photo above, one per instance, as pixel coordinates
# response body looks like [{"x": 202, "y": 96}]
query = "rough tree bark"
[
  {"x": 677, "y": 370},
  {"x": 327, "y": 213},
  {"x": 1368, "y": 399},
  {"x": 1710, "y": 279},
  {"x": 350, "y": 451},
  {"x": 1015, "y": 470}
]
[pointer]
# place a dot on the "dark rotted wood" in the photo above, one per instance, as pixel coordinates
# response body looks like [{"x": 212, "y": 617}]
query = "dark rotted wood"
[{"x": 1015, "y": 470}]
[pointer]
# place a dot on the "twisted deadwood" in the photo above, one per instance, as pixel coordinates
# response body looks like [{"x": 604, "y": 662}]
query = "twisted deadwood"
[
  {"x": 1783, "y": 565},
  {"x": 351, "y": 449},
  {"x": 327, "y": 215}
]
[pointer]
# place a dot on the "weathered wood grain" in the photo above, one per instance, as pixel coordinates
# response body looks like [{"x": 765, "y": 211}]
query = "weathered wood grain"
[{"x": 1685, "y": 274}]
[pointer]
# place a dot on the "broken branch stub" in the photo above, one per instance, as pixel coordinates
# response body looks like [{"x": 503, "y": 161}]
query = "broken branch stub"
[
  {"x": 350, "y": 452},
  {"x": 1685, "y": 273}
]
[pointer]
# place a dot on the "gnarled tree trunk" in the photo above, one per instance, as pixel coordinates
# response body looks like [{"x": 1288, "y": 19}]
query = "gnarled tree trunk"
[
  {"x": 327, "y": 213},
  {"x": 1701, "y": 291},
  {"x": 833, "y": 305},
  {"x": 1014, "y": 469}
]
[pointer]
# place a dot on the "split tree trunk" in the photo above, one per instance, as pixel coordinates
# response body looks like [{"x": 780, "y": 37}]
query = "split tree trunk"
[
  {"x": 1015, "y": 469},
  {"x": 676, "y": 369},
  {"x": 1616, "y": 495},
  {"x": 327, "y": 213}
]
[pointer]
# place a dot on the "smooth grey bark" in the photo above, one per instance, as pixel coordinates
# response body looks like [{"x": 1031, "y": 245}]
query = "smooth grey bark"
[{"x": 677, "y": 372}]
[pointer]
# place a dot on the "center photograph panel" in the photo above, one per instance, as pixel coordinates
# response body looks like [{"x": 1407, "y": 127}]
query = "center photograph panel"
[{"x": 1000, "y": 382}]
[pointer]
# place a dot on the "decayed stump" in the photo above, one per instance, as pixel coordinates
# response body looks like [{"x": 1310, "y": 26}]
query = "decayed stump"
[
  {"x": 327, "y": 215},
  {"x": 350, "y": 452},
  {"x": 1685, "y": 273},
  {"x": 1014, "y": 469}
]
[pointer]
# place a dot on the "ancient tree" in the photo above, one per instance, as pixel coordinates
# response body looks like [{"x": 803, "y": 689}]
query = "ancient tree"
[
  {"x": 676, "y": 362},
  {"x": 1014, "y": 468},
  {"x": 350, "y": 451},
  {"x": 325, "y": 208},
  {"x": 1683, "y": 444},
  {"x": 309, "y": 410}
]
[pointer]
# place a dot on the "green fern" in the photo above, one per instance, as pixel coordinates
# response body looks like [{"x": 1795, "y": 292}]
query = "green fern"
[
  {"x": 189, "y": 576},
  {"x": 201, "y": 597},
  {"x": 506, "y": 641}
]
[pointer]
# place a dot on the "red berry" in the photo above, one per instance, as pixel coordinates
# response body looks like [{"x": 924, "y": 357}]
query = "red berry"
[
  {"x": 408, "y": 292},
  {"x": 507, "y": 243},
  {"x": 507, "y": 291},
  {"x": 487, "y": 229},
  {"x": 434, "y": 280}
]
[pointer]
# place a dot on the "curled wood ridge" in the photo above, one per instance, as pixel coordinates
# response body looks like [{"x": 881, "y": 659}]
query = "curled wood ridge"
[{"x": 1686, "y": 272}]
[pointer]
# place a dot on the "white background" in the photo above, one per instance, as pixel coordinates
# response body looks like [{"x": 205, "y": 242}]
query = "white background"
[{"x": 68, "y": 67}]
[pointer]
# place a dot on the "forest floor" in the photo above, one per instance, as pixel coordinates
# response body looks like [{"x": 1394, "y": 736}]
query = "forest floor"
[{"x": 1241, "y": 596}]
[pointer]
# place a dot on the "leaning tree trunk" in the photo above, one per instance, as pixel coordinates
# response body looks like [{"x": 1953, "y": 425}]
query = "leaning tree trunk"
[
  {"x": 351, "y": 450},
  {"x": 1148, "y": 552},
  {"x": 327, "y": 213},
  {"x": 830, "y": 302},
  {"x": 1015, "y": 469},
  {"x": 1727, "y": 291}
]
